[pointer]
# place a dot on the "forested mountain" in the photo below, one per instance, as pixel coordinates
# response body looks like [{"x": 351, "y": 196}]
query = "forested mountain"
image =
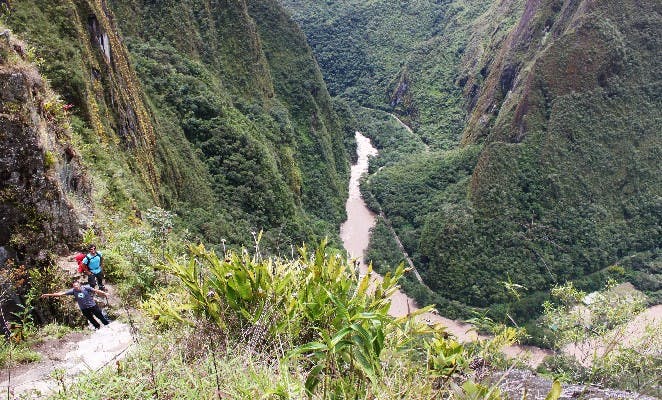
[
  {"x": 546, "y": 115},
  {"x": 196, "y": 144},
  {"x": 395, "y": 55},
  {"x": 216, "y": 111}
]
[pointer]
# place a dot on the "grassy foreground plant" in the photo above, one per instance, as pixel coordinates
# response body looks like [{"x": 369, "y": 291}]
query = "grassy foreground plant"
[
  {"x": 289, "y": 300},
  {"x": 327, "y": 329}
]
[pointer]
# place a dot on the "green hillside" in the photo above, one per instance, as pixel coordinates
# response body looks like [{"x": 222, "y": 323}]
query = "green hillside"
[
  {"x": 224, "y": 120},
  {"x": 546, "y": 117},
  {"x": 195, "y": 143},
  {"x": 402, "y": 57}
]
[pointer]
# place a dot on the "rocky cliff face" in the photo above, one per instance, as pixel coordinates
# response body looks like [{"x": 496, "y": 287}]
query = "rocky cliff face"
[
  {"x": 43, "y": 187},
  {"x": 556, "y": 49},
  {"x": 216, "y": 110},
  {"x": 82, "y": 55}
]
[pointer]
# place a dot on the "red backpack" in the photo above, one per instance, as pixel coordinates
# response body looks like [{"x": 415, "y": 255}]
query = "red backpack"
[{"x": 82, "y": 268}]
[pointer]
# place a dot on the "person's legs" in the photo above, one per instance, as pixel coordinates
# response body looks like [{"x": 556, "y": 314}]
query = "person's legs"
[
  {"x": 88, "y": 312},
  {"x": 99, "y": 278},
  {"x": 91, "y": 280},
  {"x": 97, "y": 313}
]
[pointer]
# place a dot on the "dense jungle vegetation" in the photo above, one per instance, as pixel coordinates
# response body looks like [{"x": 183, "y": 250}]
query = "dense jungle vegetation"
[
  {"x": 396, "y": 56},
  {"x": 543, "y": 141},
  {"x": 530, "y": 158},
  {"x": 238, "y": 131}
]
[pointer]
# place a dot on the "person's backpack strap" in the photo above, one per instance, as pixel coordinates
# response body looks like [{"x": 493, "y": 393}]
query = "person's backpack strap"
[{"x": 88, "y": 258}]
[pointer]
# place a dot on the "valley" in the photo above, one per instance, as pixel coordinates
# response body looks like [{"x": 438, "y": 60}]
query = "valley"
[
  {"x": 495, "y": 178},
  {"x": 355, "y": 234},
  {"x": 241, "y": 164}
]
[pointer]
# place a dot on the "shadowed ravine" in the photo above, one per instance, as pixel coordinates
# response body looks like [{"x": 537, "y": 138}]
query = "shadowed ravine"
[{"x": 355, "y": 234}]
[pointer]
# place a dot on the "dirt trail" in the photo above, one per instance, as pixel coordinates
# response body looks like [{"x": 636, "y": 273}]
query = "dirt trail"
[
  {"x": 629, "y": 334},
  {"x": 74, "y": 354},
  {"x": 408, "y": 129},
  {"x": 355, "y": 234}
]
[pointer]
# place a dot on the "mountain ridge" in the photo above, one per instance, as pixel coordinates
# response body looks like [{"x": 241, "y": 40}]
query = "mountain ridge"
[
  {"x": 542, "y": 116},
  {"x": 191, "y": 120}
]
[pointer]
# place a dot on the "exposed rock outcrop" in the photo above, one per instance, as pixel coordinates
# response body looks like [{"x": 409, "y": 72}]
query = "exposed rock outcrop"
[
  {"x": 519, "y": 383},
  {"x": 43, "y": 187},
  {"x": 556, "y": 49}
]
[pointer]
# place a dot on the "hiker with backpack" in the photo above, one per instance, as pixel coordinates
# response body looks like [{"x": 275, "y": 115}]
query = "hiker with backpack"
[
  {"x": 94, "y": 263},
  {"x": 84, "y": 296}
]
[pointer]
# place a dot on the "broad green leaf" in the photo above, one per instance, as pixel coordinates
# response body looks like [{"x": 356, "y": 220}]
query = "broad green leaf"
[
  {"x": 340, "y": 336},
  {"x": 365, "y": 366},
  {"x": 312, "y": 380},
  {"x": 312, "y": 346}
]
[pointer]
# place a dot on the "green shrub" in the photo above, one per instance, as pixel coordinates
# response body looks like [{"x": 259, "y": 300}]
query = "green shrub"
[
  {"x": 295, "y": 298},
  {"x": 564, "y": 368},
  {"x": 49, "y": 159},
  {"x": 53, "y": 330},
  {"x": 11, "y": 354},
  {"x": 594, "y": 328},
  {"x": 324, "y": 323}
]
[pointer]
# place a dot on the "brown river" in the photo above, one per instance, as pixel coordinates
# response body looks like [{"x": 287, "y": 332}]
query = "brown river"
[{"x": 355, "y": 234}]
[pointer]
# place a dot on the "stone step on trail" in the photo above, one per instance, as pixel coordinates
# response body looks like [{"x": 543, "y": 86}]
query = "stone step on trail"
[{"x": 74, "y": 354}]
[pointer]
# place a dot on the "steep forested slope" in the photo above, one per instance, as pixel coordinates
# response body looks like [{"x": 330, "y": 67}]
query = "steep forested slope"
[
  {"x": 552, "y": 109},
  {"x": 568, "y": 180},
  {"x": 250, "y": 98},
  {"x": 235, "y": 130},
  {"x": 404, "y": 57}
]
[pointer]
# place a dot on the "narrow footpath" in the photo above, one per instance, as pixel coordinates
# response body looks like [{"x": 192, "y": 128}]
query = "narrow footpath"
[
  {"x": 408, "y": 129},
  {"x": 66, "y": 358}
]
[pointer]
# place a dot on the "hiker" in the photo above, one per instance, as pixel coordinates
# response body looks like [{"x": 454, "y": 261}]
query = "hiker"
[
  {"x": 85, "y": 299},
  {"x": 94, "y": 262}
]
